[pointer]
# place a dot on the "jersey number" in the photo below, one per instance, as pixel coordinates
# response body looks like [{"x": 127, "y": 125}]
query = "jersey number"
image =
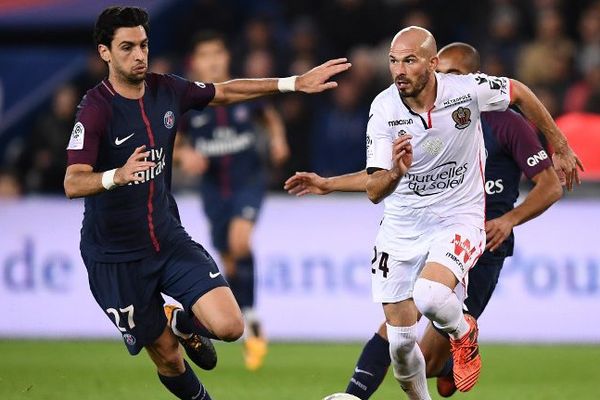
[
  {"x": 129, "y": 310},
  {"x": 383, "y": 260}
]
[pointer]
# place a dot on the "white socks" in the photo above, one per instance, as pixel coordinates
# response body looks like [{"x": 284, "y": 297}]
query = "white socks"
[
  {"x": 438, "y": 302},
  {"x": 408, "y": 362}
]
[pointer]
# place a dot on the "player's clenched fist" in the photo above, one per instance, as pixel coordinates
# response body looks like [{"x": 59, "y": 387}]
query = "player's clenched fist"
[
  {"x": 402, "y": 154},
  {"x": 135, "y": 164}
]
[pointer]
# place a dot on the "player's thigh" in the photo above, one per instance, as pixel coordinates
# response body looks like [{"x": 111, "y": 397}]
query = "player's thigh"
[
  {"x": 436, "y": 350},
  {"x": 129, "y": 295},
  {"x": 483, "y": 278},
  {"x": 392, "y": 277},
  {"x": 454, "y": 250},
  {"x": 239, "y": 236},
  {"x": 166, "y": 354},
  {"x": 218, "y": 311},
  {"x": 402, "y": 313}
]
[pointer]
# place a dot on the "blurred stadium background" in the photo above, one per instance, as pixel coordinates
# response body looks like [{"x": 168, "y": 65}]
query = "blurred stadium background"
[{"x": 541, "y": 332}]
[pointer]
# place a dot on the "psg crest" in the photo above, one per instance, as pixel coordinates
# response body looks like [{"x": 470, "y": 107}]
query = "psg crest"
[
  {"x": 462, "y": 117},
  {"x": 169, "y": 119},
  {"x": 129, "y": 339}
]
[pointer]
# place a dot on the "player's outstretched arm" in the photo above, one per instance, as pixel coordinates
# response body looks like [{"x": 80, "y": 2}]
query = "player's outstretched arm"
[
  {"x": 546, "y": 191},
  {"x": 381, "y": 183},
  {"x": 314, "y": 81},
  {"x": 534, "y": 110},
  {"x": 82, "y": 181},
  {"x": 308, "y": 182}
]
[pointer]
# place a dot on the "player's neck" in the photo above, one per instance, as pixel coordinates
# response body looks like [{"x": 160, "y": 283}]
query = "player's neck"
[
  {"x": 425, "y": 100},
  {"x": 132, "y": 91}
]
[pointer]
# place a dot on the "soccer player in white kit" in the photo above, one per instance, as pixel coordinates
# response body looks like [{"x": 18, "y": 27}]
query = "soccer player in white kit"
[{"x": 425, "y": 159}]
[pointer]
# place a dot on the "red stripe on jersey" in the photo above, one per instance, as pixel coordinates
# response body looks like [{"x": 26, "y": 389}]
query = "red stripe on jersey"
[
  {"x": 429, "y": 117},
  {"x": 150, "y": 221},
  {"x": 146, "y": 122}
]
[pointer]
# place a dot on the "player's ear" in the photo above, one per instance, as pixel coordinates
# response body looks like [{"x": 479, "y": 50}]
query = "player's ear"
[
  {"x": 433, "y": 63},
  {"x": 104, "y": 52}
]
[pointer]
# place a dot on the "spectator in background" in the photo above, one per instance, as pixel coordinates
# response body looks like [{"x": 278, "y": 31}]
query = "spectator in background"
[
  {"x": 504, "y": 43},
  {"x": 9, "y": 185},
  {"x": 338, "y": 140},
  {"x": 161, "y": 65},
  {"x": 588, "y": 57},
  {"x": 547, "y": 60},
  {"x": 44, "y": 155},
  {"x": 257, "y": 36},
  {"x": 579, "y": 94},
  {"x": 94, "y": 72}
]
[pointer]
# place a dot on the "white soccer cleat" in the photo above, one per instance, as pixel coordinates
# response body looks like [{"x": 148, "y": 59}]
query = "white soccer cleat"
[{"x": 341, "y": 396}]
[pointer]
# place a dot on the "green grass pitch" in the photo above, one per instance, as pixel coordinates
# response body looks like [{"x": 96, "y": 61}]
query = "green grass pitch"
[{"x": 69, "y": 370}]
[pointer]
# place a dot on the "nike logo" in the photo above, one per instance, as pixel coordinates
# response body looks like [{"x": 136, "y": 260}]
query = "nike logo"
[
  {"x": 213, "y": 275},
  {"x": 118, "y": 141},
  {"x": 362, "y": 371}
]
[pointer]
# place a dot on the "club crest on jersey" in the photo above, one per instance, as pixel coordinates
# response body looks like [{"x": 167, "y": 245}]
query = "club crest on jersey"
[
  {"x": 462, "y": 117},
  {"x": 169, "y": 119}
]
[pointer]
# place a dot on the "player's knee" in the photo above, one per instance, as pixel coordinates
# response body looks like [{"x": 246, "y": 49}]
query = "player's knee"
[
  {"x": 230, "y": 330},
  {"x": 401, "y": 343},
  {"x": 239, "y": 247},
  {"x": 429, "y": 296}
]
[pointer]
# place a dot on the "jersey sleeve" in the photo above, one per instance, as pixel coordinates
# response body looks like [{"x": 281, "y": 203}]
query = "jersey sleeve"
[
  {"x": 192, "y": 95},
  {"x": 379, "y": 140},
  {"x": 86, "y": 134},
  {"x": 516, "y": 135},
  {"x": 493, "y": 93}
]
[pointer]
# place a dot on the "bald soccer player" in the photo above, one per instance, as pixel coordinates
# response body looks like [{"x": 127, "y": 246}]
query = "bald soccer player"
[{"x": 461, "y": 97}]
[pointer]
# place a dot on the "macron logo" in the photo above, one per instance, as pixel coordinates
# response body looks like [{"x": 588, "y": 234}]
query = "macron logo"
[{"x": 119, "y": 142}]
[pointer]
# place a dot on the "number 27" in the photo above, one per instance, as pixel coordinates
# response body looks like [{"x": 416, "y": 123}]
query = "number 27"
[{"x": 129, "y": 310}]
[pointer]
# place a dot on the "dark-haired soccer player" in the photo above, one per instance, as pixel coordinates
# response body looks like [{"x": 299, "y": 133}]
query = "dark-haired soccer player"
[
  {"x": 132, "y": 242},
  {"x": 512, "y": 148},
  {"x": 221, "y": 144}
]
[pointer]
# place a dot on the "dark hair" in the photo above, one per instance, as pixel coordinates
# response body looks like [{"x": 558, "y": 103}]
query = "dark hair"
[
  {"x": 205, "y": 37},
  {"x": 114, "y": 18}
]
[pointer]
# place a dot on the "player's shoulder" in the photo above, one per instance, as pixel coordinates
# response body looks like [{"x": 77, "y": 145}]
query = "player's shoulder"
[
  {"x": 386, "y": 98},
  {"x": 97, "y": 101}
]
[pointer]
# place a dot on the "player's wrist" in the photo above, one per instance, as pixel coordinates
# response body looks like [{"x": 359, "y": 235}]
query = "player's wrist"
[
  {"x": 287, "y": 84},
  {"x": 395, "y": 173},
  {"x": 108, "y": 179}
]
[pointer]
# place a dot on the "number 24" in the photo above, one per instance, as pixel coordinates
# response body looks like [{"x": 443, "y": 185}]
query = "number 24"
[{"x": 383, "y": 260}]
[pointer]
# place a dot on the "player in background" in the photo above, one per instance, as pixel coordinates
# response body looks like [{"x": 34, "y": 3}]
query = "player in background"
[
  {"x": 132, "y": 242},
  {"x": 375, "y": 359},
  {"x": 512, "y": 149},
  {"x": 221, "y": 144}
]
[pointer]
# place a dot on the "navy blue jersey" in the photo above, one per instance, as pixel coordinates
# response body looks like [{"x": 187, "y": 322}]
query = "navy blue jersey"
[
  {"x": 512, "y": 147},
  {"x": 130, "y": 222},
  {"x": 228, "y": 137}
]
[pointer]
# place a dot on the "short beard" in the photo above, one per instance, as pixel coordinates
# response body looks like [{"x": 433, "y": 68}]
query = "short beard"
[
  {"x": 419, "y": 85},
  {"x": 131, "y": 79}
]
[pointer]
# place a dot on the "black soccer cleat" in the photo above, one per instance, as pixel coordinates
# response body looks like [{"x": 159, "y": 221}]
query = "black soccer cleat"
[{"x": 198, "y": 348}]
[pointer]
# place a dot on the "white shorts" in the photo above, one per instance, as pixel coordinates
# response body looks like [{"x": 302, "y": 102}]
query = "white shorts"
[{"x": 456, "y": 246}]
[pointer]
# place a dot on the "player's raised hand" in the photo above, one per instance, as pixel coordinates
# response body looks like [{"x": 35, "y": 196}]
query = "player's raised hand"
[
  {"x": 136, "y": 163},
  {"x": 566, "y": 160},
  {"x": 317, "y": 79},
  {"x": 402, "y": 154},
  {"x": 306, "y": 182}
]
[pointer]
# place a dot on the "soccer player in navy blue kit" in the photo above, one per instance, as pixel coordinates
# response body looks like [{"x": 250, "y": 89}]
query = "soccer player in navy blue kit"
[
  {"x": 221, "y": 143},
  {"x": 512, "y": 148},
  {"x": 132, "y": 242}
]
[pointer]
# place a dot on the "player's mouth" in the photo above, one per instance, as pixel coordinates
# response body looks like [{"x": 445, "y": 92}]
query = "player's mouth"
[
  {"x": 402, "y": 84},
  {"x": 141, "y": 68}
]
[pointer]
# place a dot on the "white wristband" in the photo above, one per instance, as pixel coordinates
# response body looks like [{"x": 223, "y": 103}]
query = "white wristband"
[
  {"x": 287, "y": 84},
  {"x": 108, "y": 179}
]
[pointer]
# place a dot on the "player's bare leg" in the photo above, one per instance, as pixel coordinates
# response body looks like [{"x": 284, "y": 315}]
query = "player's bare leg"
[
  {"x": 241, "y": 279},
  {"x": 219, "y": 314},
  {"x": 173, "y": 371},
  {"x": 436, "y": 349},
  {"x": 408, "y": 362},
  {"x": 434, "y": 297}
]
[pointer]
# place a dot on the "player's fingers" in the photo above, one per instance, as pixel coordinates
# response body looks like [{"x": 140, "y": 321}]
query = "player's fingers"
[
  {"x": 139, "y": 149},
  {"x": 577, "y": 178},
  {"x": 139, "y": 156},
  {"x": 334, "y": 61},
  {"x": 291, "y": 181},
  {"x": 327, "y": 86},
  {"x": 305, "y": 191},
  {"x": 334, "y": 70},
  {"x": 569, "y": 177},
  {"x": 579, "y": 163}
]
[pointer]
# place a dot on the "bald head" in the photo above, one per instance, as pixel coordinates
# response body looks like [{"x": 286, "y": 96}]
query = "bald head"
[
  {"x": 417, "y": 39},
  {"x": 458, "y": 58}
]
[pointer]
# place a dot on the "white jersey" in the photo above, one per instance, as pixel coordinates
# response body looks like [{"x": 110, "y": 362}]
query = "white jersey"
[{"x": 446, "y": 177}]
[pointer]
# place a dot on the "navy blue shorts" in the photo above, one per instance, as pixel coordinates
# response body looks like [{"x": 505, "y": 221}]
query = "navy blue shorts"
[
  {"x": 130, "y": 292},
  {"x": 243, "y": 203}
]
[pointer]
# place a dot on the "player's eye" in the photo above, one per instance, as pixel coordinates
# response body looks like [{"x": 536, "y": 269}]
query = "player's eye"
[{"x": 393, "y": 61}]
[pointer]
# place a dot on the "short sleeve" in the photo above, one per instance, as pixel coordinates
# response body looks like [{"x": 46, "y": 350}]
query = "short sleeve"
[
  {"x": 192, "y": 95},
  {"x": 493, "y": 93},
  {"x": 86, "y": 134},
  {"x": 379, "y": 141}
]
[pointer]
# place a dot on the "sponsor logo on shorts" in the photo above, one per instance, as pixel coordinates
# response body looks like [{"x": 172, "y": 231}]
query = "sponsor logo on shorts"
[
  {"x": 445, "y": 176},
  {"x": 462, "y": 117},
  {"x": 129, "y": 339},
  {"x": 461, "y": 248}
]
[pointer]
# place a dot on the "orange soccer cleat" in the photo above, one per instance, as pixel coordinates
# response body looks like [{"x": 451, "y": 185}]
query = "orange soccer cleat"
[{"x": 466, "y": 357}]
